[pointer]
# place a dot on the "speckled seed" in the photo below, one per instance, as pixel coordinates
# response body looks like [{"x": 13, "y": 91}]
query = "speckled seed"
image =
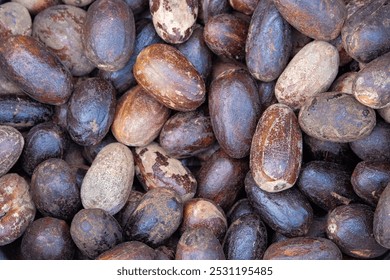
[
  {"x": 17, "y": 209},
  {"x": 35, "y": 69},
  {"x": 14, "y": 20},
  {"x": 311, "y": 71},
  {"x": 48, "y": 239},
  {"x": 60, "y": 29},
  {"x": 174, "y": 19},
  {"x": 156, "y": 169},
  {"x": 200, "y": 212},
  {"x": 156, "y": 218},
  {"x": 91, "y": 111},
  {"x": 54, "y": 190},
  {"x": 336, "y": 117},
  {"x": 169, "y": 77},
  {"x": 36, "y": 6},
  {"x": 186, "y": 134},
  {"x": 138, "y": 118},
  {"x": 268, "y": 44},
  {"x": 108, "y": 182},
  {"x": 344, "y": 83},
  {"x": 199, "y": 244},
  {"x": 303, "y": 248},
  {"x": 246, "y": 239},
  {"x": 276, "y": 152},
  {"x": 132, "y": 250},
  {"x": 351, "y": 228},
  {"x": 382, "y": 219},
  {"x": 109, "y": 34},
  {"x": 318, "y": 19},
  {"x": 235, "y": 108},
  {"x": 372, "y": 84},
  {"x": 94, "y": 231},
  {"x": 11, "y": 147}
]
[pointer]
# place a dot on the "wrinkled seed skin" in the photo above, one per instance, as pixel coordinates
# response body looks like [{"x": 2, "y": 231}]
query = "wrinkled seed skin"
[
  {"x": 91, "y": 111},
  {"x": 369, "y": 179},
  {"x": 169, "y": 77},
  {"x": 174, "y": 19},
  {"x": 48, "y": 239},
  {"x": 366, "y": 33},
  {"x": 318, "y": 19},
  {"x": 131, "y": 250},
  {"x": 303, "y": 248},
  {"x": 225, "y": 35},
  {"x": 35, "y": 70},
  {"x": 156, "y": 218},
  {"x": 199, "y": 244},
  {"x": 326, "y": 184},
  {"x": 351, "y": 228},
  {"x": 382, "y": 219},
  {"x": 276, "y": 150},
  {"x": 221, "y": 178},
  {"x": 336, "y": 117},
  {"x": 268, "y": 44},
  {"x": 235, "y": 108},
  {"x": 11, "y": 147},
  {"x": 17, "y": 210},
  {"x": 287, "y": 212},
  {"x": 246, "y": 239},
  {"x": 94, "y": 231},
  {"x": 109, "y": 34},
  {"x": 54, "y": 190}
]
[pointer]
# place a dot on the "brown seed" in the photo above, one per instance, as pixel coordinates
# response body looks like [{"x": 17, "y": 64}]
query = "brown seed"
[
  {"x": 344, "y": 83},
  {"x": 276, "y": 152},
  {"x": 132, "y": 250},
  {"x": 11, "y": 147},
  {"x": 382, "y": 219},
  {"x": 210, "y": 8},
  {"x": 169, "y": 77},
  {"x": 36, "y": 6},
  {"x": 244, "y": 6},
  {"x": 14, "y": 20}
]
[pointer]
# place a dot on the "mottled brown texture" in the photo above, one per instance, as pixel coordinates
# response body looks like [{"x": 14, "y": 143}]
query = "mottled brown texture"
[
  {"x": 225, "y": 35},
  {"x": 337, "y": 117},
  {"x": 14, "y": 20},
  {"x": 351, "y": 228},
  {"x": 124, "y": 215},
  {"x": 344, "y": 83},
  {"x": 109, "y": 180},
  {"x": 78, "y": 3},
  {"x": 382, "y": 219},
  {"x": 221, "y": 178},
  {"x": 186, "y": 134},
  {"x": 210, "y": 8},
  {"x": 156, "y": 169},
  {"x": 109, "y": 34},
  {"x": 371, "y": 86},
  {"x": 326, "y": 184},
  {"x": 303, "y": 248},
  {"x": 244, "y": 6},
  {"x": 376, "y": 145},
  {"x": 311, "y": 72},
  {"x": 43, "y": 141},
  {"x": 36, "y": 6},
  {"x": 276, "y": 151},
  {"x": 35, "y": 69},
  {"x": 204, "y": 213},
  {"x": 94, "y": 231},
  {"x": 174, "y": 19},
  {"x": 287, "y": 212},
  {"x": 369, "y": 179},
  {"x": 11, "y": 147},
  {"x": 235, "y": 108},
  {"x": 268, "y": 45},
  {"x": 166, "y": 74},
  {"x": 91, "y": 111},
  {"x": 199, "y": 244},
  {"x": 132, "y": 250},
  {"x": 54, "y": 189},
  {"x": 156, "y": 218},
  {"x": 366, "y": 33},
  {"x": 17, "y": 209},
  {"x": 138, "y": 118},
  {"x": 318, "y": 19},
  {"x": 246, "y": 239},
  {"x": 60, "y": 28},
  {"x": 48, "y": 239}
]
